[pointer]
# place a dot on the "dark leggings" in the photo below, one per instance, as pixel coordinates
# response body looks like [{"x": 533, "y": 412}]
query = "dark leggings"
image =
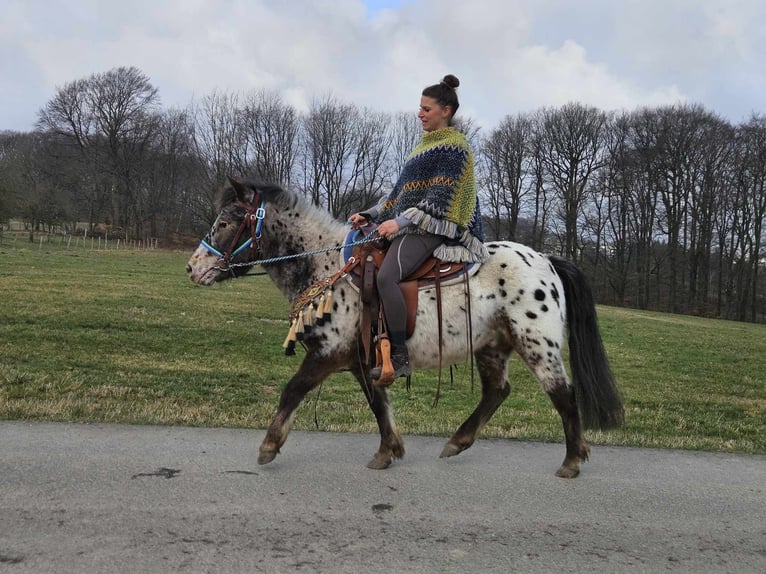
[{"x": 406, "y": 253}]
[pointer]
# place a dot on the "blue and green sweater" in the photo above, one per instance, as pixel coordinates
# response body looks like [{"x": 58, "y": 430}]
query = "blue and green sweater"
[{"x": 436, "y": 194}]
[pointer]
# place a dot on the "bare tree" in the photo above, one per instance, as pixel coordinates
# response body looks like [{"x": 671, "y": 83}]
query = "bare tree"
[
  {"x": 406, "y": 132},
  {"x": 343, "y": 156},
  {"x": 220, "y": 144},
  {"x": 124, "y": 105},
  {"x": 69, "y": 117},
  {"x": 506, "y": 160},
  {"x": 540, "y": 196},
  {"x": 644, "y": 197},
  {"x": 750, "y": 206},
  {"x": 271, "y": 128},
  {"x": 610, "y": 227},
  {"x": 707, "y": 194},
  {"x": 170, "y": 174},
  {"x": 572, "y": 150},
  {"x": 110, "y": 118}
]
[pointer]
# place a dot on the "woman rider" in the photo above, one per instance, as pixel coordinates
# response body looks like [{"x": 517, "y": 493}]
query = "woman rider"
[{"x": 432, "y": 210}]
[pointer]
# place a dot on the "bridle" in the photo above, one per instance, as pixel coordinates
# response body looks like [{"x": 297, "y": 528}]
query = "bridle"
[{"x": 252, "y": 221}]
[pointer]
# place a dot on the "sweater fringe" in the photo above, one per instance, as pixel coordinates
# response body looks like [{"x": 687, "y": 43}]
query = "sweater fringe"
[{"x": 469, "y": 250}]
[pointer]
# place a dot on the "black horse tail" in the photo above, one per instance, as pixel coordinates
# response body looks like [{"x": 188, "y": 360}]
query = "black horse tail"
[{"x": 597, "y": 395}]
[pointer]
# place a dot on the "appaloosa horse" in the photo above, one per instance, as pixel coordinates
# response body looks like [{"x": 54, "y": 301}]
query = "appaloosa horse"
[{"x": 521, "y": 301}]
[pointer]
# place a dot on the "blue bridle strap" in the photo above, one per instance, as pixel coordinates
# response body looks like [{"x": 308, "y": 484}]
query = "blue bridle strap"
[
  {"x": 242, "y": 247},
  {"x": 212, "y": 250},
  {"x": 259, "y": 216}
]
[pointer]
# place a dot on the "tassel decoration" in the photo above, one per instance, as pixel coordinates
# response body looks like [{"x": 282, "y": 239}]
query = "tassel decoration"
[
  {"x": 308, "y": 318},
  {"x": 327, "y": 315},
  {"x": 320, "y": 310},
  {"x": 289, "y": 344},
  {"x": 313, "y": 307},
  {"x": 299, "y": 329}
]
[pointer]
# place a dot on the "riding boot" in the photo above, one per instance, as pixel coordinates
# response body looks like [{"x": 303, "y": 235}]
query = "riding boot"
[{"x": 401, "y": 362}]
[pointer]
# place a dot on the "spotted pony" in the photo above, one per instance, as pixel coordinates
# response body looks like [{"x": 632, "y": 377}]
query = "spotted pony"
[{"x": 520, "y": 300}]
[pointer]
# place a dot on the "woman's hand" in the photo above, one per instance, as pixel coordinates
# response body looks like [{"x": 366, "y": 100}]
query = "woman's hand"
[
  {"x": 388, "y": 228},
  {"x": 357, "y": 220}
]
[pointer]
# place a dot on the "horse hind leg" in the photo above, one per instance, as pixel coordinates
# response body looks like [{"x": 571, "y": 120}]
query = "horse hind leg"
[
  {"x": 552, "y": 376},
  {"x": 391, "y": 444},
  {"x": 563, "y": 398},
  {"x": 492, "y": 364}
]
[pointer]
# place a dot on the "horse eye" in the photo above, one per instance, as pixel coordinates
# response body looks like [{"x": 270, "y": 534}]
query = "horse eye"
[{"x": 223, "y": 224}]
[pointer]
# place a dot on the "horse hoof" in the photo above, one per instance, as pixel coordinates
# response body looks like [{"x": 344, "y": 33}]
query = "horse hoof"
[
  {"x": 378, "y": 464},
  {"x": 450, "y": 450},
  {"x": 266, "y": 456},
  {"x": 566, "y": 472}
]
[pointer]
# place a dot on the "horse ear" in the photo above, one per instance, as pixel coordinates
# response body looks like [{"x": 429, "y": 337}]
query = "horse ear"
[{"x": 239, "y": 189}]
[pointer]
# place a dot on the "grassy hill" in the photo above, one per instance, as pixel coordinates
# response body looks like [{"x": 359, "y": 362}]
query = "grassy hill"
[{"x": 123, "y": 336}]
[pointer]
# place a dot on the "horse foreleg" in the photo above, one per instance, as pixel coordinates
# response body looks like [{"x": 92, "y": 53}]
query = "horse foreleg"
[
  {"x": 391, "y": 444},
  {"x": 492, "y": 364},
  {"x": 562, "y": 396},
  {"x": 312, "y": 371}
]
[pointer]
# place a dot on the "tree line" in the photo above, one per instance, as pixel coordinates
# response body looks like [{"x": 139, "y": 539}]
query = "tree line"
[{"x": 663, "y": 207}]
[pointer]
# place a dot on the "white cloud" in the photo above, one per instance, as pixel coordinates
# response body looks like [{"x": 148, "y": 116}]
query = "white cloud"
[{"x": 511, "y": 55}]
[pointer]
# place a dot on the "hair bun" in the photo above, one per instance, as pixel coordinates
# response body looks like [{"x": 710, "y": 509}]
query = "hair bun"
[{"x": 451, "y": 81}]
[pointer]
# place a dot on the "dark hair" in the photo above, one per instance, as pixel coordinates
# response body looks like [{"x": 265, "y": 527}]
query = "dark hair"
[{"x": 444, "y": 93}]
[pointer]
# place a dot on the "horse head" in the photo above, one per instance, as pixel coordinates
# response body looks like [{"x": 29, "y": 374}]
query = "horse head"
[{"x": 234, "y": 241}]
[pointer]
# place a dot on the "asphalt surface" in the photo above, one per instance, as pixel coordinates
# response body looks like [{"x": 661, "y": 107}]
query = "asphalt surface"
[{"x": 108, "y": 498}]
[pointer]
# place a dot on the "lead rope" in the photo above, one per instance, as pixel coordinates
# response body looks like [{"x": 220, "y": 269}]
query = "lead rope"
[{"x": 371, "y": 237}]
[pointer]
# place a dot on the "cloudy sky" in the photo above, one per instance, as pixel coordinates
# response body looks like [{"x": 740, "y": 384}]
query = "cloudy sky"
[{"x": 511, "y": 55}]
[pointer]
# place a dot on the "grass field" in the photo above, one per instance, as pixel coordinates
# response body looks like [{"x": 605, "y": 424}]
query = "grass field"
[{"x": 123, "y": 336}]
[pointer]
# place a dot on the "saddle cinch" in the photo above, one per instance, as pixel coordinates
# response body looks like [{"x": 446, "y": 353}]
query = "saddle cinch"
[{"x": 315, "y": 304}]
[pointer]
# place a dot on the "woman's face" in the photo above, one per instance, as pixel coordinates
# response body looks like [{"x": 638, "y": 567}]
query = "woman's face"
[{"x": 432, "y": 115}]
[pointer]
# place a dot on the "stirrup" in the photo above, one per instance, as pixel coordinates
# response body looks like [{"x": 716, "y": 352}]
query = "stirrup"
[{"x": 387, "y": 373}]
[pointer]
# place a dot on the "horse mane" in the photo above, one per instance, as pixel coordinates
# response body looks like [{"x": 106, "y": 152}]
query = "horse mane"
[{"x": 282, "y": 197}]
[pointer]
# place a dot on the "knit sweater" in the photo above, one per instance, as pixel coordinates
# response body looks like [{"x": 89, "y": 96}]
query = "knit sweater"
[{"x": 436, "y": 192}]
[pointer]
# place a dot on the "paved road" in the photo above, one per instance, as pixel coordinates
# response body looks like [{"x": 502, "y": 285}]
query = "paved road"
[{"x": 104, "y": 498}]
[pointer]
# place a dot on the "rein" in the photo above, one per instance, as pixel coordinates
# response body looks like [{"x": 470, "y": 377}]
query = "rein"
[
  {"x": 253, "y": 221},
  {"x": 308, "y": 253}
]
